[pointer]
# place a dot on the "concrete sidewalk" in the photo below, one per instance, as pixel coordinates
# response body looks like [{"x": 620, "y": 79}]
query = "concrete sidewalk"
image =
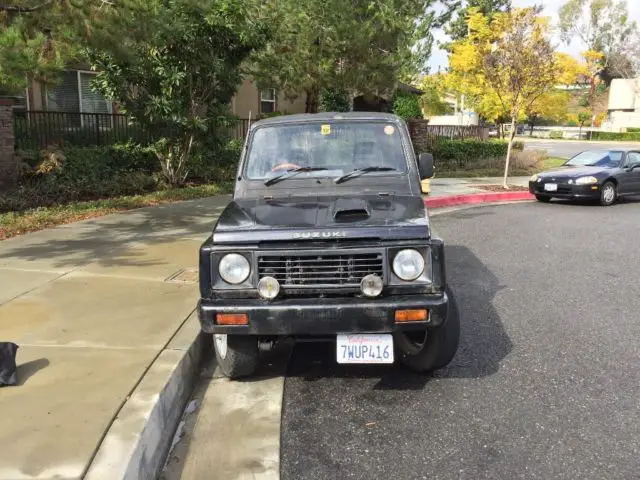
[
  {"x": 460, "y": 186},
  {"x": 92, "y": 305}
]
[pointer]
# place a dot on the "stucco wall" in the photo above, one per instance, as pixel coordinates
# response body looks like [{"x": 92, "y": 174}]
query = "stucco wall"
[
  {"x": 247, "y": 99},
  {"x": 624, "y": 94}
]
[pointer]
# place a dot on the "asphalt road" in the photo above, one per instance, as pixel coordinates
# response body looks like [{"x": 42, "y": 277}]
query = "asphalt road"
[
  {"x": 569, "y": 148},
  {"x": 545, "y": 385}
]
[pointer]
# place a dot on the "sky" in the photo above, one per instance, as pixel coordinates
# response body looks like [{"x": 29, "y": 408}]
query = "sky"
[{"x": 551, "y": 7}]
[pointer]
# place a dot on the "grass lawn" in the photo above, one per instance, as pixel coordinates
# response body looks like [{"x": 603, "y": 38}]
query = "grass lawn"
[
  {"x": 553, "y": 162},
  {"x": 17, "y": 223}
]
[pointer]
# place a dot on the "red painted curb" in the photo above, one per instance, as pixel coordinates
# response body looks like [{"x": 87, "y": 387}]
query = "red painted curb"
[{"x": 471, "y": 198}]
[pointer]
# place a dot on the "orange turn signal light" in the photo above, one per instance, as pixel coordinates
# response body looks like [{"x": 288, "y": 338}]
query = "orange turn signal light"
[
  {"x": 411, "y": 315},
  {"x": 232, "y": 319}
]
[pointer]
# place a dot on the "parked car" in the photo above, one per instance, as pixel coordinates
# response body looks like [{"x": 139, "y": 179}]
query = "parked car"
[
  {"x": 328, "y": 236},
  {"x": 603, "y": 175}
]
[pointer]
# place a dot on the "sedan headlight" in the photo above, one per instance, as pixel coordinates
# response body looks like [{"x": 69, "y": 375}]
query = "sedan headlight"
[
  {"x": 586, "y": 180},
  {"x": 234, "y": 268},
  {"x": 534, "y": 178},
  {"x": 408, "y": 265}
]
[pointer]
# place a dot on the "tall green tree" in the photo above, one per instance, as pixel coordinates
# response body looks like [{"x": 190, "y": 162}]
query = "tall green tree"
[
  {"x": 39, "y": 37},
  {"x": 362, "y": 46},
  {"x": 183, "y": 75}
]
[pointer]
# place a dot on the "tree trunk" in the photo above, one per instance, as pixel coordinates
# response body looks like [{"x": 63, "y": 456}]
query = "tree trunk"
[
  {"x": 512, "y": 134},
  {"x": 580, "y": 132},
  {"x": 311, "y": 105}
]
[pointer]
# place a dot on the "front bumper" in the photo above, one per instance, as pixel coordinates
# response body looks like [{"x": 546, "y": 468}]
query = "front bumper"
[
  {"x": 566, "y": 190},
  {"x": 322, "y": 316}
]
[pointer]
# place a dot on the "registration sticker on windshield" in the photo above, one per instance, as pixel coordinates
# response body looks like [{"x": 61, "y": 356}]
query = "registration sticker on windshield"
[
  {"x": 325, "y": 129},
  {"x": 389, "y": 130}
]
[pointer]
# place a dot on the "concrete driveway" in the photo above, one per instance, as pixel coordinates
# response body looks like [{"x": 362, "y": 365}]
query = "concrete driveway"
[
  {"x": 545, "y": 384},
  {"x": 569, "y": 148}
]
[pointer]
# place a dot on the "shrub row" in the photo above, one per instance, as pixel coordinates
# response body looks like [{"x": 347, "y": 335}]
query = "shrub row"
[
  {"x": 87, "y": 173},
  {"x": 459, "y": 157},
  {"x": 628, "y": 136}
]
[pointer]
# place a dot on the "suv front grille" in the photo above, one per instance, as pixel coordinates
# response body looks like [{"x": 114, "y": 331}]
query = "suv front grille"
[{"x": 318, "y": 270}]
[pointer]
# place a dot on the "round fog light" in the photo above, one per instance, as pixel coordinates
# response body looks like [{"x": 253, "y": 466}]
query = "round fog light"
[
  {"x": 371, "y": 285},
  {"x": 268, "y": 287}
]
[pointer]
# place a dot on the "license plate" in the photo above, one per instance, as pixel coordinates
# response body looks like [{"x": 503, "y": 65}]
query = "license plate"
[
  {"x": 551, "y": 187},
  {"x": 364, "y": 348}
]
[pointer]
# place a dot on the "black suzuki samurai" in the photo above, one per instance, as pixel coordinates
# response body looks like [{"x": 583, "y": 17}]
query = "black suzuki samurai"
[{"x": 328, "y": 236}]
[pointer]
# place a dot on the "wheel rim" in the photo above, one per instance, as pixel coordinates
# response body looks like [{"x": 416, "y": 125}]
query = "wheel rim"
[
  {"x": 608, "y": 194},
  {"x": 220, "y": 341}
]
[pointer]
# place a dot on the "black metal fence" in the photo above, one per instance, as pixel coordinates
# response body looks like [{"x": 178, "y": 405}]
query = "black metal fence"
[{"x": 34, "y": 130}]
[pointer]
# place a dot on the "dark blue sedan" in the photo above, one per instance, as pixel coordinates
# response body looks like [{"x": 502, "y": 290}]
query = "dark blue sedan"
[{"x": 603, "y": 175}]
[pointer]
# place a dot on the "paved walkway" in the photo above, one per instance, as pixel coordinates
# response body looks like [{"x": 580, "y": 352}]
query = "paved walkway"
[{"x": 92, "y": 305}]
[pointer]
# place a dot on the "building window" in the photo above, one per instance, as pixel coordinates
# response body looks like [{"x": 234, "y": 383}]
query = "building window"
[
  {"x": 21, "y": 101},
  {"x": 268, "y": 100},
  {"x": 74, "y": 95}
]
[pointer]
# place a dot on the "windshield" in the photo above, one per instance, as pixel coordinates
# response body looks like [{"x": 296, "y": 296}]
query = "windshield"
[
  {"x": 325, "y": 149},
  {"x": 596, "y": 158}
]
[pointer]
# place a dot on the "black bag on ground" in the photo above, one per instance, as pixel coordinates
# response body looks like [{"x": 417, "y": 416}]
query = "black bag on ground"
[{"x": 8, "y": 363}]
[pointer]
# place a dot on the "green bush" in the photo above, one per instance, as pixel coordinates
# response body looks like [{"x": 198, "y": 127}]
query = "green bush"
[
  {"x": 628, "y": 136},
  {"x": 218, "y": 163},
  {"x": 455, "y": 157},
  {"x": 556, "y": 134},
  {"x": 334, "y": 100},
  {"x": 633, "y": 130},
  {"x": 83, "y": 173},
  {"x": 407, "y": 106}
]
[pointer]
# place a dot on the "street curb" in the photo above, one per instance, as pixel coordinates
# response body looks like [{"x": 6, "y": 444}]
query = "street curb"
[
  {"x": 475, "y": 198},
  {"x": 138, "y": 441}
]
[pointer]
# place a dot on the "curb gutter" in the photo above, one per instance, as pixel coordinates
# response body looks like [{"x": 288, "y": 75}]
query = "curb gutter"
[
  {"x": 474, "y": 198},
  {"x": 136, "y": 445}
]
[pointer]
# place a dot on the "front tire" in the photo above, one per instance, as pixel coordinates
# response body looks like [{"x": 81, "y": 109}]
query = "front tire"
[
  {"x": 543, "y": 199},
  {"x": 433, "y": 349},
  {"x": 237, "y": 355},
  {"x": 608, "y": 194}
]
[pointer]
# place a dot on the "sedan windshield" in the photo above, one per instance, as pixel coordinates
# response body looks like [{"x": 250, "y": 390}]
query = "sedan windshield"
[
  {"x": 331, "y": 149},
  {"x": 596, "y": 158}
]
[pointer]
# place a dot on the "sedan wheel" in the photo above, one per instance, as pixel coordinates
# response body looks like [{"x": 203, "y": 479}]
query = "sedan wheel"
[{"x": 608, "y": 194}]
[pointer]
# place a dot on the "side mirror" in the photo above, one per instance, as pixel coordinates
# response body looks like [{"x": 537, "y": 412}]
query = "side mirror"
[{"x": 425, "y": 165}]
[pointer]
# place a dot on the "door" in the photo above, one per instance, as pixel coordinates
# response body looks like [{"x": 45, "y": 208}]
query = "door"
[{"x": 632, "y": 179}]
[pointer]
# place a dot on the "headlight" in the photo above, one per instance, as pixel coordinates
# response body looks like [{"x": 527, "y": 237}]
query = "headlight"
[
  {"x": 234, "y": 268},
  {"x": 586, "y": 180},
  {"x": 408, "y": 265},
  {"x": 533, "y": 178}
]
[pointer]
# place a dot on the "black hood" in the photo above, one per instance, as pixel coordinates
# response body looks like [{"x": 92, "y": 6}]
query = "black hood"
[
  {"x": 572, "y": 172},
  {"x": 323, "y": 217}
]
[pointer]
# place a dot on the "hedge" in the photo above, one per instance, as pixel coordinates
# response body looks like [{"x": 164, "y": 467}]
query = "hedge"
[
  {"x": 628, "y": 136},
  {"x": 72, "y": 174},
  {"x": 451, "y": 155}
]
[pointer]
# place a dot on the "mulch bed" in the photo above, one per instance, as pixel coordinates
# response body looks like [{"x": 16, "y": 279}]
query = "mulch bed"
[{"x": 500, "y": 188}]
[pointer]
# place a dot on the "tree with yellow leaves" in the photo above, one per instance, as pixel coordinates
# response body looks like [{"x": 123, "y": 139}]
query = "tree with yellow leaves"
[
  {"x": 550, "y": 106},
  {"x": 508, "y": 58}
]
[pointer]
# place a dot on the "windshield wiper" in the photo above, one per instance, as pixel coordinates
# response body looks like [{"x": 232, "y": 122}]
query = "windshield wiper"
[
  {"x": 360, "y": 171},
  {"x": 291, "y": 173}
]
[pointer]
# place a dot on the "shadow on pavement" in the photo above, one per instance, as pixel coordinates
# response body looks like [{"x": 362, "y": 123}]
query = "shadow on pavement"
[
  {"x": 107, "y": 240},
  {"x": 30, "y": 368},
  {"x": 484, "y": 342}
]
